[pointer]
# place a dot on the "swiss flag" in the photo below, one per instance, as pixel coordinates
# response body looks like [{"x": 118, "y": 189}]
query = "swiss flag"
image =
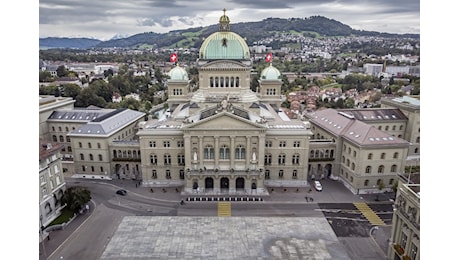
[
  {"x": 269, "y": 57},
  {"x": 173, "y": 57}
]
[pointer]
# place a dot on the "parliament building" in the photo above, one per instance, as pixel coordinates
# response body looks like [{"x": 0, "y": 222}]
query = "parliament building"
[{"x": 225, "y": 138}]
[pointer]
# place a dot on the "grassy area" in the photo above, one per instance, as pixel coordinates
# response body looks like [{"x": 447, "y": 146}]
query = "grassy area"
[{"x": 65, "y": 216}]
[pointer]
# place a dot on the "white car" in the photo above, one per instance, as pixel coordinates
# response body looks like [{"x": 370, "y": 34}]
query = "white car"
[{"x": 318, "y": 186}]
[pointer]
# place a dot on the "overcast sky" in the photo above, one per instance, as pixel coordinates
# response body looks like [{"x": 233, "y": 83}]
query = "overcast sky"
[{"x": 105, "y": 19}]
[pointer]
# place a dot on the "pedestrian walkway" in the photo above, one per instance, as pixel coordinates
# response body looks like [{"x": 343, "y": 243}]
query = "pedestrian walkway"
[
  {"x": 369, "y": 214},
  {"x": 224, "y": 209}
]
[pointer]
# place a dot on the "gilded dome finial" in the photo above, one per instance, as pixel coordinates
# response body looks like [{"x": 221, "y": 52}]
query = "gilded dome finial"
[{"x": 224, "y": 22}]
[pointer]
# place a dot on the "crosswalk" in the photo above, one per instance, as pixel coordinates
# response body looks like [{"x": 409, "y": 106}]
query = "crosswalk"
[
  {"x": 369, "y": 214},
  {"x": 224, "y": 209}
]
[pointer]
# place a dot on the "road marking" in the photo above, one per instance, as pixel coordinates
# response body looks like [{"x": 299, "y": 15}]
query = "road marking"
[
  {"x": 224, "y": 209},
  {"x": 370, "y": 215}
]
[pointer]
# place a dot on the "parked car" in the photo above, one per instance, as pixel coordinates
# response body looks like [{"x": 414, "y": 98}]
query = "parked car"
[
  {"x": 122, "y": 192},
  {"x": 318, "y": 186}
]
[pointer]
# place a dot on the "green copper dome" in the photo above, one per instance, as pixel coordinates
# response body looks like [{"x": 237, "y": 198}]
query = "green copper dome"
[
  {"x": 224, "y": 45},
  {"x": 270, "y": 73},
  {"x": 178, "y": 73}
]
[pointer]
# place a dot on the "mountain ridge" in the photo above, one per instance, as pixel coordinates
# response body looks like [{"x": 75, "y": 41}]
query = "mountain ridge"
[{"x": 314, "y": 26}]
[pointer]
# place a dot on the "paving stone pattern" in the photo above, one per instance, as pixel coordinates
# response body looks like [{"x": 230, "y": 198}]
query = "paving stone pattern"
[{"x": 143, "y": 237}]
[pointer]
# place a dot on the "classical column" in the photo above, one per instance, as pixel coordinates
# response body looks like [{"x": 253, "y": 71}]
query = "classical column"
[
  {"x": 232, "y": 152},
  {"x": 188, "y": 152},
  {"x": 216, "y": 151},
  {"x": 200, "y": 151},
  {"x": 261, "y": 151},
  {"x": 248, "y": 150}
]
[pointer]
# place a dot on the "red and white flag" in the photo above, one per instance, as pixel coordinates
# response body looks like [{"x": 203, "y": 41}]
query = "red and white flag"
[
  {"x": 269, "y": 57},
  {"x": 173, "y": 57}
]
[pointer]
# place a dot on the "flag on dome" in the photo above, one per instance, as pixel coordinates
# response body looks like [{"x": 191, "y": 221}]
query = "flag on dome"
[
  {"x": 173, "y": 57},
  {"x": 269, "y": 57}
]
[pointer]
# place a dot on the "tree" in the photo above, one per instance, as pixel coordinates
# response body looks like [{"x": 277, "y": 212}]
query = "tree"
[
  {"x": 70, "y": 90},
  {"x": 380, "y": 186},
  {"x": 61, "y": 71},
  {"x": 75, "y": 197},
  {"x": 45, "y": 76}
]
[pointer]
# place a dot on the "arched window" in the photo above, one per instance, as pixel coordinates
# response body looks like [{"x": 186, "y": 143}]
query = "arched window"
[
  {"x": 366, "y": 182},
  {"x": 382, "y": 156},
  {"x": 240, "y": 152},
  {"x": 267, "y": 174},
  {"x": 368, "y": 169},
  {"x": 395, "y": 155},
  {"x": 100, "y": 157},
  {"x": 348, "y": 162},
  {"x": 391, "y": 181},
  {"x": 353, "y": 166},
  {"x": 312, "y": 154},
  {"x": 153, "y": 159},
  {"x": 208, "y": 152},
  {"x": 237, "y": 82},
  {"x": 393, "y": 168},
  {"x": 89, "y": 145},
  {"x": 227, "y": 82},
  {"x": 354, "y": 153},
  {"x": 417, "y": 140},
  {"x": 154, "y": 174},
  {"x": 232, "y": 82},
  {"x": 167, "y": 159},
  {"x": 211, "y": 82},
  {"x": 61, "y": 138},
  {"x": 221, "y": 83},
  {"x": 224, "y": 152},
  {"x": 381, "y": 169},
  {"x": 282, "y": 159},
  {"x": 268, "y": 159},
  {"x": 54, "y": 138},
  {"x": 91, "y": 157},
  {"x": 181, "y": 159},
  {"x": 296, "y": 159},
  {"x": 82, "y": 157}
]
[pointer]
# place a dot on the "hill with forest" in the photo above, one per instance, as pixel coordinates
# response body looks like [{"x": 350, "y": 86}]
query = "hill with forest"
[{"x": 314, "y": 26}]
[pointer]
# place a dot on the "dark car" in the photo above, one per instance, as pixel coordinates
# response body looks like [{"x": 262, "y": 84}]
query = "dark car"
[{"x": 122, "y": 192}]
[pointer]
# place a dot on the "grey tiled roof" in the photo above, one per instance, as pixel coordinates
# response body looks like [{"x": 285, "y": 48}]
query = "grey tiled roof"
[
  {"x": 375, "y": 114},
  {"x": 345, "y": 125},
  {"x": 108, "y": 123}
]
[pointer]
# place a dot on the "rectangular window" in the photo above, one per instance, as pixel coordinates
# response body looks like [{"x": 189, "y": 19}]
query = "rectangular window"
[
  {"x": 282, "y": 143},
  {"x": 180, "y": 143},
  {"x": 296, "y": 144},
  {"x": 166, "y": 144},
  {"x": 268, "y": 144},
  {"x": 152, "y": 144}
]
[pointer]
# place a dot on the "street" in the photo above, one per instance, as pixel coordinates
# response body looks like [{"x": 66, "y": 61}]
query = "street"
[{"x": 93, "y": 230}]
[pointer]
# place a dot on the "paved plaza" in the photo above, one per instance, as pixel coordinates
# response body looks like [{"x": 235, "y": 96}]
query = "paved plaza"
[{"x": 142, "y": 237}]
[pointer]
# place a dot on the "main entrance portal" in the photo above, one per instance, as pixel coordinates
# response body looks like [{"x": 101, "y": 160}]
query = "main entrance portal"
[{"x": 224, "y": 183}]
